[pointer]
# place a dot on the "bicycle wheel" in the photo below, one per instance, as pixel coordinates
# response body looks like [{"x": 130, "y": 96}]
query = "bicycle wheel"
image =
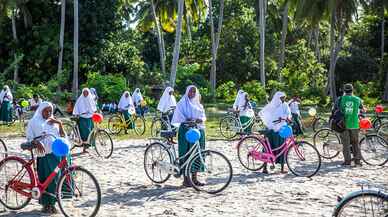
[
  {"x": 157, "y": 162},
  {"x": 327, "y": 143},
  {"x": 3, "y": 150},
  {"x": 247, "y": 151},
  {"x": 383, "y": 131},
  {"x": 213, "y": 171},
  {"x": 115, "y": 124},
  {"x": 157, "y": 126},
  {"x": 78, "y": 193},
  {"x": 103, "y": 144},
  {"x": 303, "y": 159},
  {"x": 377, "y": 123},
  {"x": 140, "y": 126},
  {"x": 13, "y": 175},
  {"x": 228, "y": 127},
  {"x": 374, "y": 150},
  {"x": 319, "y": 123},
  {"x": 258, "y": 126},
  {"x": 363, "y": 203}
]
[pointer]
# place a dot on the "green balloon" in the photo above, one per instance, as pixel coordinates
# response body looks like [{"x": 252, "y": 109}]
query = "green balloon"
[{"x": 24, "y": 103}]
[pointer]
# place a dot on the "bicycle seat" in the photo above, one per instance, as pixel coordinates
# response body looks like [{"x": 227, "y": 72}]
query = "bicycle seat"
[
  {"x": 27, "y": 146},
  {"x": 167, "y": 134}
]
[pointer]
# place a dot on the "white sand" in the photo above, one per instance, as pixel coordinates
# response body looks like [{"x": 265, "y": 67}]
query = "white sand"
[{"x": 126, "y": 191}]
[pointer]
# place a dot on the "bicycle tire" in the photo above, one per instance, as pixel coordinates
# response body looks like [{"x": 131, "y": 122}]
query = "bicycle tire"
[
  {"x": 109, "y": 145},
  {"x": 344, "y": 203},
  {"x": 249, "y": 154},
  {"x": 226, "y": 121},
  {"x": 383, "y": 131},
  {"x": 145, "y": 162},
  {"x": 139, "y": 130},
  {"x": 297, "y": 151},
  {"x": 377, "y": 123},
  {"x": 3, "y": 150},
  {"x": 316, "y": 124},
  {"x": 69, "y": 175},
  {"x": 155, "y": 132},
  {"x": 324, "y": 149},
  {"x": 205, "y": 154},
  {"x": 29, "y": 181},
  {"x": 112, "y": 124},
  {"x": 384, "y": 147}
]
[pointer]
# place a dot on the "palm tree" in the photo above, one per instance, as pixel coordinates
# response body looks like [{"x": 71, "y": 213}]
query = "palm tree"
[
  {"x": 159, "y": 34},
  {"x": 215, "y": 38},
  {"x": 262, "y": 7},
  {"x": 61, "y": 38},
  {"x": 75, "y": 47},
  {"x": 175, "y": 57},
  {"x": 284, "y": 35},
  {"x": 15, "y": 38}
]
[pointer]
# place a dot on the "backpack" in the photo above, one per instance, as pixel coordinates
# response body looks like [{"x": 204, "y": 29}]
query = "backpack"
[{"x": 337, "y": 118}]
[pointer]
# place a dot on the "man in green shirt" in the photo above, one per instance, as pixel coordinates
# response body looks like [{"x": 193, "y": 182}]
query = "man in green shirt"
[{"x": 350, "y": 106}]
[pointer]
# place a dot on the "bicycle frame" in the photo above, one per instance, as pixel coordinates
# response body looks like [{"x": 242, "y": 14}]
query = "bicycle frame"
[
  {"x": 78, "y": 135},
  {"x": 26, "y": 189},
  {"x": 271, "y": 157},
  {"x": 241, "y": 127}
]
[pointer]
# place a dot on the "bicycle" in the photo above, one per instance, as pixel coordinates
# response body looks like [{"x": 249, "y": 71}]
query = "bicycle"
[
  {"x": 3, "y": 150},
  {"x": 378, "y": 120},
  {"x": 315, "y": 123},
  {"x": 364, "y": 202},
  {"x": 98, "y": 138},
  {"x": 20, "y": 184},
  {"x": 161, "y": 122},
  {"x": 230, "y": 125},
  {"x": 255, "y": 151},
  {"x": 161, "y": 161},
  {"x": 117, "y": 123},
  {"x": 373, "y": 147},
  {"x": 383, "y": 131}
]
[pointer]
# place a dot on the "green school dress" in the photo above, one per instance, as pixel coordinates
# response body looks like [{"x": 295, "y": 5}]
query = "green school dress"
[
  {"x": 46, "y": 165},
  {"x": 184, "y": 147},
  {"x": 127, "y": 118},
  {"x": 85, "y": 127},
  {"x": 6, "y": 111},
  {"x": 275, "y": 141},
  {"x": 296, "y": 124},
  {"x": 244, "y": 123}
]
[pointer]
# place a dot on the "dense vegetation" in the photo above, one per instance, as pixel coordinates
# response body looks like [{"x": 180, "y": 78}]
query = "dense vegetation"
[{"x": 123, "y": 46}]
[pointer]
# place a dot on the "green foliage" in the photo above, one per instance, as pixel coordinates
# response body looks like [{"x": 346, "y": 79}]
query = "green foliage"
[
  {"x": 227, "y": 92},
  {"x": 109, "y": 87},
  {"x": 191, "y": 74},
  {"x": 368, "y": 92},
  {"x": 256, "y": 91}
]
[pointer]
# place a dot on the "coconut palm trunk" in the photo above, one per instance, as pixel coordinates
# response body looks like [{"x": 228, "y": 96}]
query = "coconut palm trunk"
[
  {"x": 262, "y": 6},
  {"x": 159, "y": 36},
  {"x": 15, "y": 38},
  {"x": 283, "y": 38},
  {"x": 215, "y": 37},
  {"x": 75, "y": 47},
  {"x": 61, "y": 39},
  {"x": 178, "y": 35}
]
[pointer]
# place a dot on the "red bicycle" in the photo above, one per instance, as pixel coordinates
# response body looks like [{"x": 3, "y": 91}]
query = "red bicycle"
[{"x": 78, "y": 192}]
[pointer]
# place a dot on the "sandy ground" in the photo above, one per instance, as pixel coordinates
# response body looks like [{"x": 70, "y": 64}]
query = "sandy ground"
[{"x": 126, "y": 191}]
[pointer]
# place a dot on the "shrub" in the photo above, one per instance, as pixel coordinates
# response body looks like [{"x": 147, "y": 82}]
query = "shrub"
[
  {"x": 227, "y": 92},
  {"x": 256, "y": 91},
  {"x": 109, "y": 87}
]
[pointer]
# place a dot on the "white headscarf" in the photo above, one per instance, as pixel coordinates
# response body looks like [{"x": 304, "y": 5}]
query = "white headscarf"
[
  {"x": 38, "y": 126},
  {"x": 244, "y": 110},
  {"x": 6, "y": 95},
  {"x": 274, "y": 110},
  {"x": 189, "y": 109},
  {"x": 94, "y": 93},
  {"x": 136, "y": 96},
  {"x": 85, "y": 106},
  {"x": 126, "y": 103},
  {"x": 167, "y": 101},
  {"x": 237, "y": 100}
]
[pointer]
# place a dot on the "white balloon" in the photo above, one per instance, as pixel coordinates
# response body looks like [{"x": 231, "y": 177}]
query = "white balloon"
[{"x": 312, "y": 112}]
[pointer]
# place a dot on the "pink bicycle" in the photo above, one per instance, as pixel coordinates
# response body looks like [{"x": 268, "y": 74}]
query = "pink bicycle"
[{"x": 302, "y": 158}]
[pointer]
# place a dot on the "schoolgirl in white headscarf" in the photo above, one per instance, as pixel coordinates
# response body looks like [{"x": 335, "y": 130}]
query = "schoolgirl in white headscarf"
[
  {"x": 85, "y": 105},
  {"x": 126, "y": 103},
  {"x": 167, "y": 101},
  {"x": 237, "y": 100},
  {"x": 6, "y": 95},
  {"x": 137, "y": 97},
  {"x": 189, "y": 109},
  {"x": 42, "y": 123},
  {"x": 275, "y": 110},
  {"x": 244, "y": 106}
]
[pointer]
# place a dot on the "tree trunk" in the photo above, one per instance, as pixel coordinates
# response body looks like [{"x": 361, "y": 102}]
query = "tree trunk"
[
  {"x": 330, "y": 79},
  {"x": 178, "y": 31},
  {"x": 262, "y": 40},
  {"x": 61, "y": 39},
  {"x": 317, "y": 46},
  {"x": 75, "y": 68},
  {"x": 188, "y": 26},
  {"x": 159, "y": 37},
  {"x": 15, "y": 38},
  {"x": 283, "y": 38},
  {"x": 383, "y": 72},
  {"x": 215, "y": 38}
]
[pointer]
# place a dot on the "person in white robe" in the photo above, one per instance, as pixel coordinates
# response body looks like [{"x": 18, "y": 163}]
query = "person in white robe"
[
  {"x": 127, "y": 108},
  {"x": 84, "y": 108}
]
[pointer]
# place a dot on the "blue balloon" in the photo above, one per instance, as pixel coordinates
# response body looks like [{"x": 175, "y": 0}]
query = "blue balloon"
[
  {"x": 285, "y": 131},
  {"x": 193, "y": 135},
  {"x": 60, "y": 147}
]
